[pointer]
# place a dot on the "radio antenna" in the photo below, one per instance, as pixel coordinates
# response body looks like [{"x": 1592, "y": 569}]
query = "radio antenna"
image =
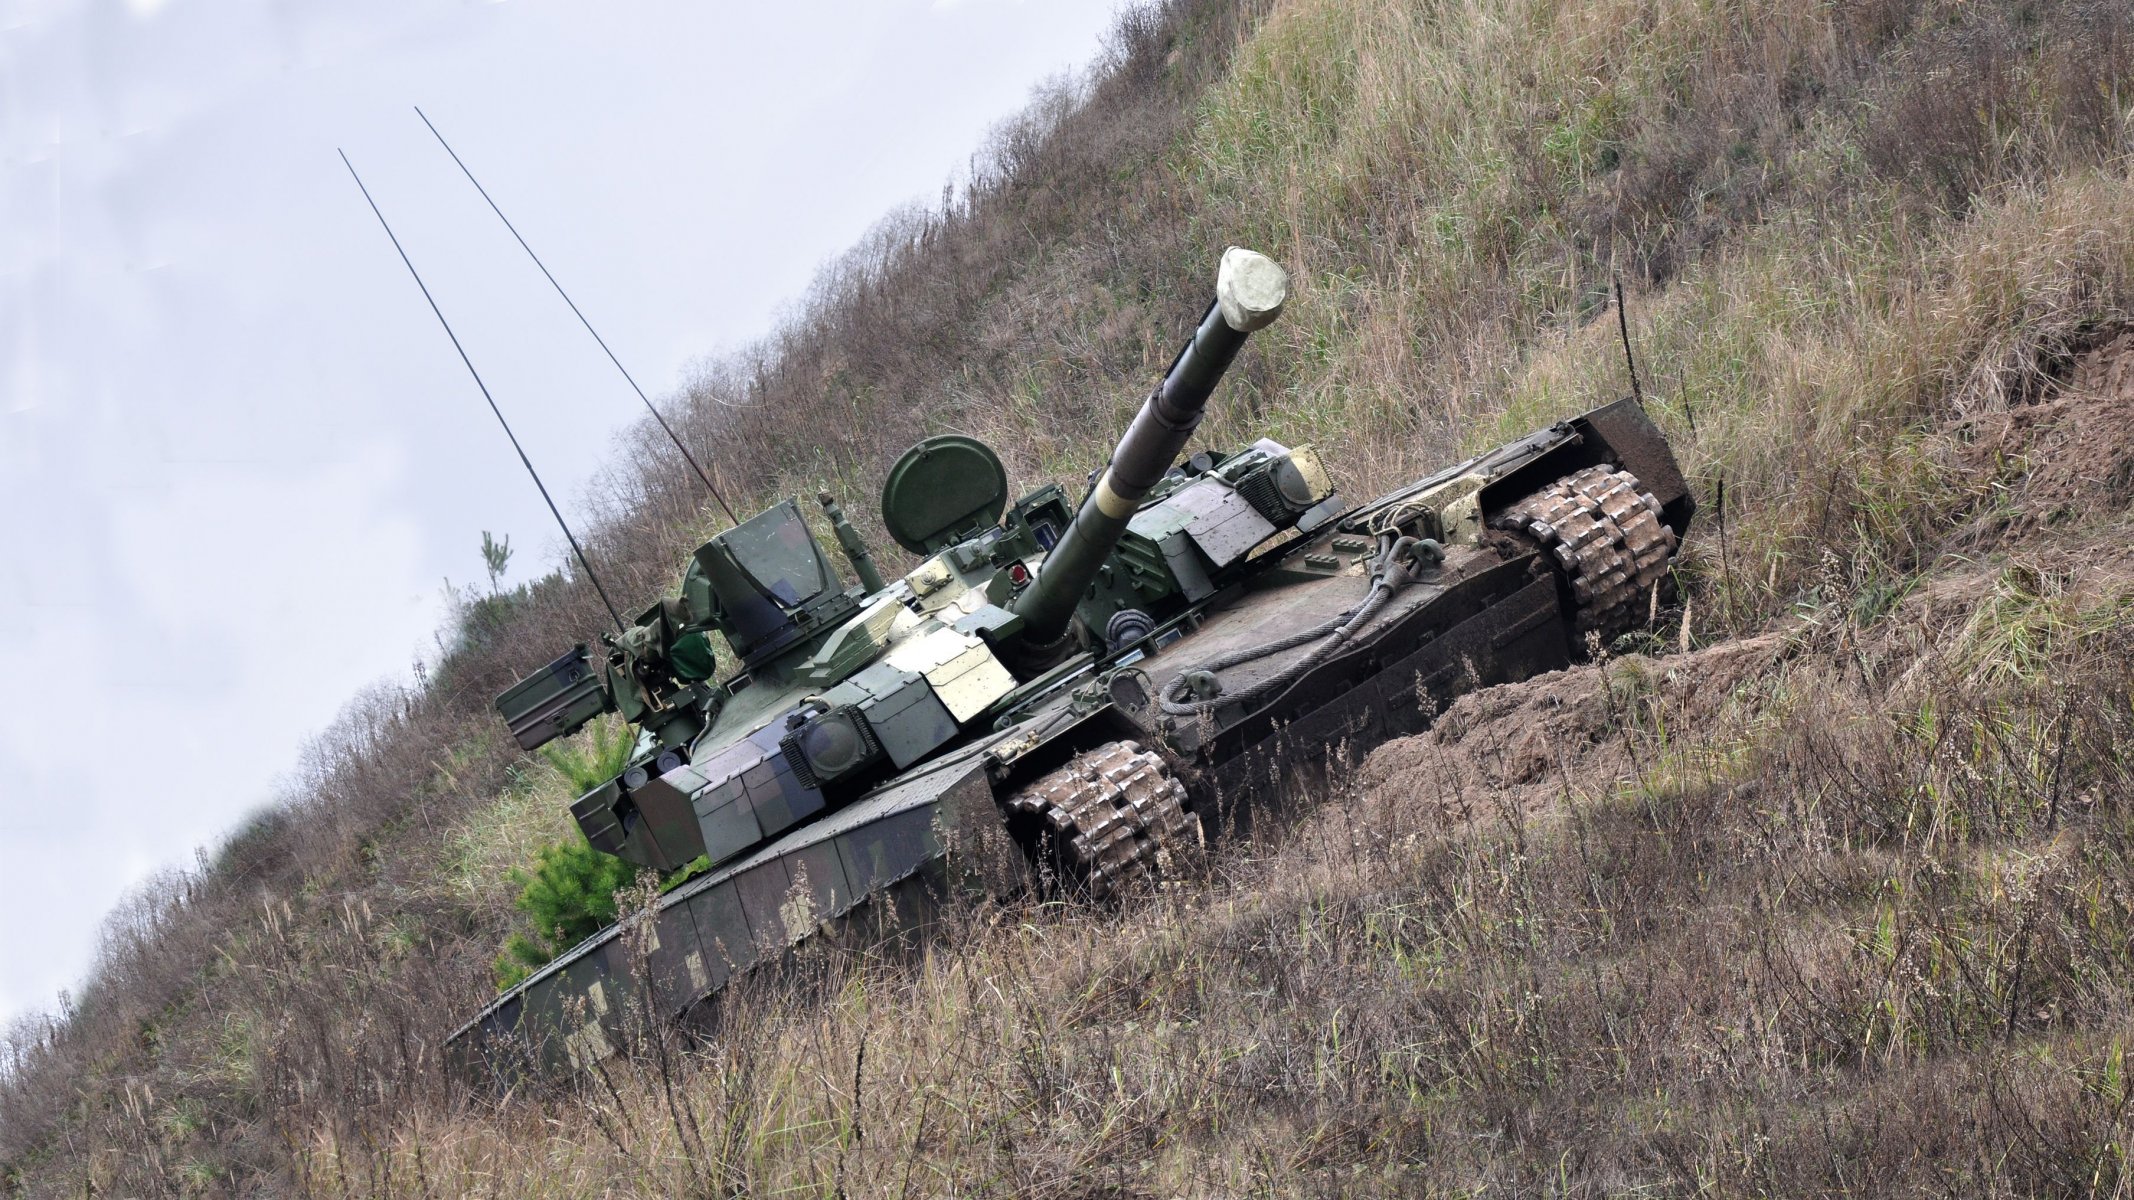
[
  {"x": 1622, "y": 326},
  {"x": 649, "y": 406},
  {"x": 552, "y": 509}
]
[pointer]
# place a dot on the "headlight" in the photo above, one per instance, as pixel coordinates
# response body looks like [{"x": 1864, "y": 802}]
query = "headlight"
[{"x": 831, "y": 745}]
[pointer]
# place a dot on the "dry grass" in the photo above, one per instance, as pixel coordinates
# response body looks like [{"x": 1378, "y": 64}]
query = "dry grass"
[
  {"x": 1826, "y": 912},
  {"x": 1838, "y": 908}
]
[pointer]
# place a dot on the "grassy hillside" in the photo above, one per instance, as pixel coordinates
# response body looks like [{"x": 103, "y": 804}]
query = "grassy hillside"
[{"x": 1821, "y": 888}]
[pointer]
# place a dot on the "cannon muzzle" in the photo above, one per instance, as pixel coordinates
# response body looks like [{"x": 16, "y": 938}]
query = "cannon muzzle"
[{"x": 1249, "y": 291}]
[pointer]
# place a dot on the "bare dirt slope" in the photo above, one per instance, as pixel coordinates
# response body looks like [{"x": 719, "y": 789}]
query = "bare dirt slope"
[{"x": 1530, "y": 743}]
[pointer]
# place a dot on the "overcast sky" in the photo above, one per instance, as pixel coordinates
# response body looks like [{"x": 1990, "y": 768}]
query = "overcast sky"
[{"x": 239, "y": 458}]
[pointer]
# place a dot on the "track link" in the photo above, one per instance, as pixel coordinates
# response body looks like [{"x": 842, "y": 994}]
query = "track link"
[
  {"x": 1605, "y": 532},
  {"x": 1109, "y": 816}
]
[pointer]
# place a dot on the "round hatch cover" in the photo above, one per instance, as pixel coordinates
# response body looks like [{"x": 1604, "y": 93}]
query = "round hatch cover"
[{"x": 944, "y": 487}]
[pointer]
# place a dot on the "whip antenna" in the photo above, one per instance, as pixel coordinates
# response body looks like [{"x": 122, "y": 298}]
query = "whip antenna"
[
  {"x": 649, "y": 407},
  {"x": 1622, "y": 326},
  {"x": 553, "y": 510}
]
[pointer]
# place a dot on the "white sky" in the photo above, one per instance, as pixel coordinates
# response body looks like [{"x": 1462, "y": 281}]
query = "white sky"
[{"x": 238, "y": 457}]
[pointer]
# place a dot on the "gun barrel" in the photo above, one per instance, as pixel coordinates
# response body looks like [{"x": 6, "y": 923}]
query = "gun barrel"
[{"x": 1249, "y": 292}]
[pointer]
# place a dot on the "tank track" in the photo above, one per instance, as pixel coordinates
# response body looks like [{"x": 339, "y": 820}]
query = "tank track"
[
  {"x": 1110, "y": 816},
  {"x": 1605, "y": 532}
]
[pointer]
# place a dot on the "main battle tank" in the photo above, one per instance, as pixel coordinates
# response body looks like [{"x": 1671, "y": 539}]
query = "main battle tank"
[{"x": 1057, "y": 695}]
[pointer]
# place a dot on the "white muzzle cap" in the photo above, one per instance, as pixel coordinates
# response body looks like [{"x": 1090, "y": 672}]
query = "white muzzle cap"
[{"x": 1250, "y": 288}]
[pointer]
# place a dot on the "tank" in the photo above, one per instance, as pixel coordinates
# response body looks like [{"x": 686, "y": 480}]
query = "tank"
[{"x": 1059, "y": 694}]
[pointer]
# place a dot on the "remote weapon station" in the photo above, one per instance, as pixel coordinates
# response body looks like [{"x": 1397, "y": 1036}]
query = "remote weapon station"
[{"x": 1059, "y": 695}]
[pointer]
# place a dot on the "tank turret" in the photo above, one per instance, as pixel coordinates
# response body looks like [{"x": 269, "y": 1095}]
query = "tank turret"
[
  {"x": 838, "y": 685},
  {"x": 1250, "y": 289}
]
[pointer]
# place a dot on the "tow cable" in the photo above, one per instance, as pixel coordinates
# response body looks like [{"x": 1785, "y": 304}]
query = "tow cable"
[{"x": 1200, "y": 689}]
